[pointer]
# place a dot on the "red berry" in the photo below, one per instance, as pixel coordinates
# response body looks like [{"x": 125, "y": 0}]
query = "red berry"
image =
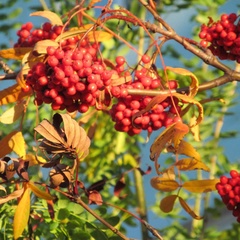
[
  {"x": 120, "y": 60},
  {"x": 145, "y": 59}
]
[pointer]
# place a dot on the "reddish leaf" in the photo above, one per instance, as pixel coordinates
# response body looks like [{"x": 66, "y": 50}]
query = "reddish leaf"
[
  {"x": 167, "y": 203},
  {"x": 94, "y": 197},
  {"x": 120, "y": 185},
  {"x": 164, "y": 184},
  {"x": 188, "y": 209},
  {"x": 201, "y": 186},
  {"x": 22, "y": 214},
  {"x": 148, "y": 171},
  {"x": 98, "y": 186}
]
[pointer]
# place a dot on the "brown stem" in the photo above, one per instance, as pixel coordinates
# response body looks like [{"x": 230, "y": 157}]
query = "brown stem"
[{"x": 5, "y": 67}]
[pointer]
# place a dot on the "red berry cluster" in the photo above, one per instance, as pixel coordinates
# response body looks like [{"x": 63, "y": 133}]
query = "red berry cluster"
[
  {"x": 229, "y": 190},
  {"x": 29, "y": 36},
  {"x": 223, "y": 36},
  {"x": 161, "y": 115},
  {"x": 71, "y": 78}
]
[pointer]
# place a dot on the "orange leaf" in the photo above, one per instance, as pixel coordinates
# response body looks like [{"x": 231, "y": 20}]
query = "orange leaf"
[
  {"x": 14, "y": 53},
  {"x": 51, "y": 16},
  {"x": 12, "y": 94},
  {"x": 39, "y": 193},
  {"x": 167, "y": 203},
  {"x": 22, "y": 214},
  {"x": 201, "y": 186},
  {"x": 194, "y": 83},
  {"x": 164, "y": 184},
  {"x": 13, "y": 142},
  {"x": 12, "y": 114},
  {"x": 188, "y": 209},
  {"x": 13, "y": 195},
  {"x": 173, "y": 133},
  {"x": 187, "y": 164}
]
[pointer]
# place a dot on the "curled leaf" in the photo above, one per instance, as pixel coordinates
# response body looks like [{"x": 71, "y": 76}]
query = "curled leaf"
[
  {"x": 94, "y": 197},
  {"x": 13, "y": 195},
  {"x": 173, "y": 134},
  {"x": 194, "y": 81},
  {"x": 200, "y": 186},
  {"x": 167, "y": 203},
  {"x": 51, "y": 16},
  {"x": 163, "y": 184},
  {"x": 188, "y": 209}
]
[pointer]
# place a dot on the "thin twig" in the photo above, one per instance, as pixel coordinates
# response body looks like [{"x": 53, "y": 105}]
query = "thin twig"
[{"x": 5, "y": 67}]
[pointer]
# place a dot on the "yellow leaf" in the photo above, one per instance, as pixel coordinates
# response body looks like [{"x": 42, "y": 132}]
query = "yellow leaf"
[
  {"x": 164, "y": 184},
  {"x": 188, "y": 209},
  {"x": 14, "y": 53},
  {"x": 70, "y": 33},
  {"x": 195, "y": 129},
  {"x": 12, "y": 114},
  {"x": 167, "y": 203},
  {"x": 6, "y": 144},
  {"x": 86, "y": 30},
  {"x": 22, "y": 214},
  {"x": 185, "y": 148},
  {"x": 187, "y": 164},
  {"x": 169, "y": 174},
  {"x": 194, "y": 83},
  {"x": 12, "y": 94},
  {"x": 51, "y": 16},
  {"x": 40, "y": 193},
  {"x": 201, "y": 186},
  {"x": 17, "y": 144},
  {"x": 34, "y": 160},
  {"x": 41, "y": 46}
]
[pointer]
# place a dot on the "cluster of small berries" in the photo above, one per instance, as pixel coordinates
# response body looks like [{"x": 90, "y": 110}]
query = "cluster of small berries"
[
  {"x": 72, "y": 77},
  {"x": 161, "y": 115},
  {"x": 223, "y": 36},
  {"x": 229, "y": 190},
  {"x": 27, "y": 36}
]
